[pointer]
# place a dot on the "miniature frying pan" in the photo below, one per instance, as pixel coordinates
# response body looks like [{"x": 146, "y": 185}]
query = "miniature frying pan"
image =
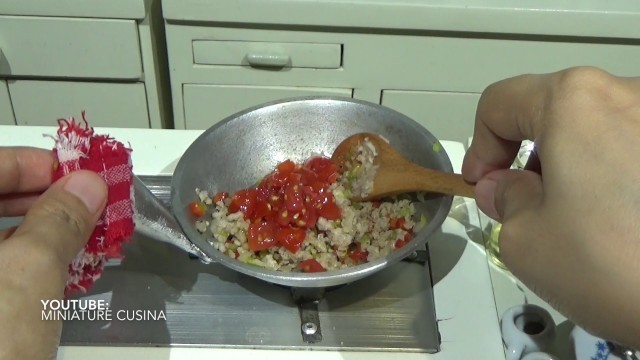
[{"x": 237, "y": 151}]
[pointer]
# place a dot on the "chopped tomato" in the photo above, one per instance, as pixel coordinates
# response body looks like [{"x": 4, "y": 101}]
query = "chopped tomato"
[
  {"x": 261, "y": 210},
  {"x": 276, "y": 180},
  {"x": 310, "y": 266},
  {"x": 221, "y": 196},
  {"x": 404, "y": 241},
  {"x": 356, "y": 253},
  {"x": 308, "y": 177},
  {"x": 397, "y": 223},
  {"x": 327, "y": 207},
  {"x": 260, "y": 236},
  {"x": 244, "y": 200},
  {"x": 325, "y": 168},
  {"x": 291, "y": 237},
  {"x": 284, "y": 217},
  {"x": 197, "y": 208},
  {"x": 276, "y": 202},
  {"x": 293, "y": 197},
  {"x": 286, "y": 203},
  {"x": 286, "y": 166},
  {"x": 307, "y": 218}
]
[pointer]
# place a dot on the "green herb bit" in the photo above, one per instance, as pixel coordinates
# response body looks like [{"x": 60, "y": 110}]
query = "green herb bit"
[{"x": 437, "y": 147}]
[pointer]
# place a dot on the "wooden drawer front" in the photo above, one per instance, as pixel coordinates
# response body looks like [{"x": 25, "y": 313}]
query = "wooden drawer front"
[
  {"x": 267, "y": 54},
  {"x": 6, "y": 111},
  {"x": 448, "y": 116},
  {"x": 106, "y": 104},
  {"x": 65, "y": 47},
  {"x": 205, "y": 105}
]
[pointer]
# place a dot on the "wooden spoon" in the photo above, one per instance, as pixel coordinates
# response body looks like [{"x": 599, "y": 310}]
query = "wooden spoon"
[{"x": 396, "y": 175}]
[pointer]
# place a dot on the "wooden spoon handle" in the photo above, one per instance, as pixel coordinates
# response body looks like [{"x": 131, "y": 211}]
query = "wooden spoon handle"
[
  {"x": 410, "y": 178},
  {"x": 452, "y": 184}
]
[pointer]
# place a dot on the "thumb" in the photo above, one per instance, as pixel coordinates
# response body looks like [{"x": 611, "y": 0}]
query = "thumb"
[
  {"x": 34, "y": 261},
  {"x": 62, "y": 219},
  {"x": 503, "y": 193}
]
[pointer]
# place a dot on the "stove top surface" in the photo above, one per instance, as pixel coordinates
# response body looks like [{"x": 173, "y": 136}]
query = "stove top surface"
[{"x": 212, "y": 306}]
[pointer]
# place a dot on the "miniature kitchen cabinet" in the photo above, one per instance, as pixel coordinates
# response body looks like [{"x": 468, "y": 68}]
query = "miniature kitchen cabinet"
[
  {"x": 61, "y": 58},
  {"x": 425, "y": 59},
  {"x": 6, "y": 111}
]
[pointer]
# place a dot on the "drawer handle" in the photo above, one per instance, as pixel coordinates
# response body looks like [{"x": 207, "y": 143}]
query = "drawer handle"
[{"x": 268, "y": 60}]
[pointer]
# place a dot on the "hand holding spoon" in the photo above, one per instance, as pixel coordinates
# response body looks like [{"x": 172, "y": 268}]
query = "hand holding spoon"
[{"x": 396, "y": 175}]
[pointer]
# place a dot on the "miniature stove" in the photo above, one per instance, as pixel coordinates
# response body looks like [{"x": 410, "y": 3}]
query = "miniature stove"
[{"x": 213, "y": 306}]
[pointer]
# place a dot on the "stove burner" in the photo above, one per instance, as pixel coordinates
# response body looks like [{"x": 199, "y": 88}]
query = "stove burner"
[{"x": 213, "y": 306}]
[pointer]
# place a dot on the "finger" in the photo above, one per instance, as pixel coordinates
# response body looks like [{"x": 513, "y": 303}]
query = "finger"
[
  {"x": 17, "y": 204},
  {"x": 508, "y": 112},
  {"x": 512, "y": 197},
  {"x": 34, "y": 259},
  {"x": 62, "y": 219},
  {"x": 503, "y": 193},
  {"x": 533, "y": 162},
  {"x": 5, "y": 233},
  {"x": 25, "y": 169}
]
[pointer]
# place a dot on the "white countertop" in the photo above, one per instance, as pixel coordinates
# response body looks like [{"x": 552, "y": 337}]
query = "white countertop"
[
  {"x": 463, "y": 292},
  {"x": 113, "y": 9},
  {"x": 591, "y": 18}
]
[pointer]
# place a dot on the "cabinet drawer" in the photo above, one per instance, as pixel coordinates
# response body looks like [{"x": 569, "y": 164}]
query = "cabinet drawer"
[
  {"x": 6, "y": 111},
  {"x": 69, "y": 47},
  {"x": 470, "y": 65},
  {"x": 205, "y": 105},
  {"x": 447, "y": 115},
  {"x": 106, "y": 104},
  {"x": 267, "y": 54}
]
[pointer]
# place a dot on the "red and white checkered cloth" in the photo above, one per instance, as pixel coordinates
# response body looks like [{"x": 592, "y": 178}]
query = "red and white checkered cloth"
[{"x": 77, "y": 147}]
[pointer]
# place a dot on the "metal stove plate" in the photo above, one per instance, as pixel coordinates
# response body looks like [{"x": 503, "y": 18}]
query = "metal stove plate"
[{"x": 212, "y": 306}]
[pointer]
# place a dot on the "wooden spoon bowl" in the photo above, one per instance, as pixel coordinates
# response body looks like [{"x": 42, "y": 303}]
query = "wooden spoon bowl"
[{"x": 396, "y": 175}]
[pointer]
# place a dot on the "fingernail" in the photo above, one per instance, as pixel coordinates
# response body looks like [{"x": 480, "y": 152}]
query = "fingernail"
[
  {"x": 89, "y": 188},
  {"x": 486, "y": 197}
]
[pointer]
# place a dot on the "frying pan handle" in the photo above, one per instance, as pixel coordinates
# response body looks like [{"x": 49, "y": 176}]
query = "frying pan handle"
[{"x": 155, "y": 221}]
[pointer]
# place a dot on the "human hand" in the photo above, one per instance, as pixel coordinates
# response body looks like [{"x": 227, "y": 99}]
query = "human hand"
[
  {"x": 58, "y": 221},
  {"x": 571, "y": 229}
]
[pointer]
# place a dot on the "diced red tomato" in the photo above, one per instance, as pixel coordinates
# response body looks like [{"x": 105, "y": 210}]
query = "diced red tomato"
[
  {"x": 307, "y": 218},
  {"x": 261, "y": 210},
  {"x": 404, "y": 241},
  {"x": 327, "y": 207},
  {"x": 325, "y": 168},
  {"x": 291, "y": 237},
  {"x": 397, "y": 223},
  {"x": 221, "y": 196},
  {"x": 261, "y": 235},
  {"x": 310, "y": 266},
  {"x": 357, "y": 254},
  {"x": 311, "y": 181},
  {"x": 284, "y": 217},
  {"x": 293, "y": 197},
  {"x": 286, "y": 203},
  {"x": 197, "y": 208},
  {"x": 286, "y": 166},
  {"x": 244, "y": 200},
  {"x": 276, "y": 202}
]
